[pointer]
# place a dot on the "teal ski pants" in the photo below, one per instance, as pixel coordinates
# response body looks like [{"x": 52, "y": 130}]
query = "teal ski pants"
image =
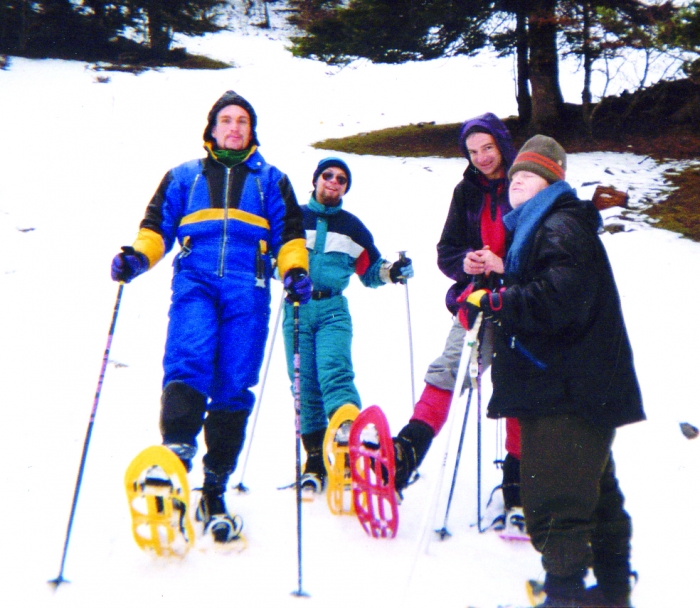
[{"x": 325, "y": 343}]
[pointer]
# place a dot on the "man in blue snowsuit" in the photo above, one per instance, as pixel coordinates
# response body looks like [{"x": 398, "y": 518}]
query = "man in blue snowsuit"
[
  {"x": 234, "y": 216},
  {"x": 339, "y": 246}
]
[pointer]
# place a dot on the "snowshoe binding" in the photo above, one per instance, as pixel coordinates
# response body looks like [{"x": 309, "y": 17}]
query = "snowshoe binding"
[
  {"x": 514, "y": 525},
  {"x": 336, "y": 457},
  {"x": 311, "y": 484},
  {"x": 372, "y": 468},
  {"x": 158, "y": 495},
  {"x": 212, "y": 512}
]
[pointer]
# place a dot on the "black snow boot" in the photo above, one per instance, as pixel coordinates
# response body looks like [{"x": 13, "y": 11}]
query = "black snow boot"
[
  {"x": 565, "y": 591},
  {"x": 511, "y": 482},
  {"x": 314, "y": 476},
  {"x": 224, "y": 433},
  {"x": 212, "y": 511},
  {"x": 410, "y": 447},
  {"x": 596, "y": 597},
  {"x": 181, "y": 417}
]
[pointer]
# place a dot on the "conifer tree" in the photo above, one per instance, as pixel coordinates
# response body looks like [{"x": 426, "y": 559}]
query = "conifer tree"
[{"x": 536, "y": 31}]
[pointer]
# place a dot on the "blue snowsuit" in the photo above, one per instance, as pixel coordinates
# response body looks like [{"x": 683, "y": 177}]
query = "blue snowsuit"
[
  {"x": 230, "y": 223},
  {"x": 339, "y": 246}
]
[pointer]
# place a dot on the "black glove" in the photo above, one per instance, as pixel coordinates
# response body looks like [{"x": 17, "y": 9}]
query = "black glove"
[
  {"x": 401, "y": 270},
  {"x": 298, "y": 286},
  {"x": 128, "y": 264}
]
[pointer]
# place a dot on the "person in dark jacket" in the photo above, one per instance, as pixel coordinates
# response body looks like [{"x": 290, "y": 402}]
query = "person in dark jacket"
[
  {"x": 339, "y": 246},
  {"x": 563, "y": 366},
  {"x": 234, "y": 215},
  {"x": 472, "y": 245}
]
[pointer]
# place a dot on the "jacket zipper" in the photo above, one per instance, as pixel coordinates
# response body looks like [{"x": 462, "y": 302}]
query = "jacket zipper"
[
  {"x": 186, "y": 247},
  {"x": 262, "y": 248},
  {"x": 225, "y": 236}
]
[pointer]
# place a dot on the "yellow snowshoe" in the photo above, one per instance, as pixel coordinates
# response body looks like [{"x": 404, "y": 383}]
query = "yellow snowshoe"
[
  {"x": 159, "y": 501},
  {"x": 337, "y": 460}
]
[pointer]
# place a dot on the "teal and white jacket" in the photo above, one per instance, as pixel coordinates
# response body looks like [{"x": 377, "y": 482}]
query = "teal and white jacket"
[{"x": 340, "y": 245}]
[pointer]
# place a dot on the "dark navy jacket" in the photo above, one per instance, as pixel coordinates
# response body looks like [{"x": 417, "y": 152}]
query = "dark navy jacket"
[{"x": 462, "y": 231}]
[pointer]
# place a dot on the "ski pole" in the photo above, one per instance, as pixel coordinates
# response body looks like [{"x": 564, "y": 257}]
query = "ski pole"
[
  {"x": 60, "y": 579},
  {"x": 402, "y": 257},
  {"x": 471, "y": 342},
  {"x": 241, "y": 486},
  {"x": 435, "y": 491},
  {"x": 443, "y": 532},
  {"x": 478, "y": 447},
  {"x": 297, "y": 424}
]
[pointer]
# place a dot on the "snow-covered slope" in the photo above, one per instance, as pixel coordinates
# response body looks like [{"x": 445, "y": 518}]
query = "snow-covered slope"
[{"x": 81, "y": 160}]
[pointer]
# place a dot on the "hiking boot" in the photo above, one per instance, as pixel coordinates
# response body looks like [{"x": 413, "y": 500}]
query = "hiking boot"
[
  {"x": 562, "y": 603},
  {"x": 410, "y": 447},
  {"x": 564, "y": 591},
  {"x": 212, "y": 512},
  {"x": 596, "y": 597},
  {"x": 314, "y": 475}
]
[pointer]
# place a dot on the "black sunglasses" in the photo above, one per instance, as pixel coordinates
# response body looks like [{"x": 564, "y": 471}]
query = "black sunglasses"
[{"x": 329, "y": 175}]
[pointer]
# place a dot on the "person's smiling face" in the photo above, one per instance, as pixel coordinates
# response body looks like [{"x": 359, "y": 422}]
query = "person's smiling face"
[
  {"x": 485, "y": 155},
  {"x": 331, "y": 186}
]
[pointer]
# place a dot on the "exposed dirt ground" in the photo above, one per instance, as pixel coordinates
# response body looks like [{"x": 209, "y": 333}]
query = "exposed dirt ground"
[{"x": 680, "y": 212}]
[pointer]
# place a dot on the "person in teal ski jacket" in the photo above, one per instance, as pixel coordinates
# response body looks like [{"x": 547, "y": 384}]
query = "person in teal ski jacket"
[
  {"x": 235, "y": 216},
  {"x": 339, "y": 245}
]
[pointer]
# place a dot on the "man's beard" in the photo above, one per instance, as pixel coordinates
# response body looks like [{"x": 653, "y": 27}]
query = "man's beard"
[{"x": 331, "y": 201}]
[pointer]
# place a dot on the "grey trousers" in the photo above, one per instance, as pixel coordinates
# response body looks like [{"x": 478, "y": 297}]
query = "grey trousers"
[{"x": 442, "y": 372}]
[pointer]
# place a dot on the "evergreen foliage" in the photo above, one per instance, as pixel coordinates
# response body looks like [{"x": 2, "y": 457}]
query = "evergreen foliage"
[
  {"x": 536, "y": 31},
  {"x": 682, "y": 31},
  {"x": 94, "y": 30},
  {"x": 386, "y": 31}
]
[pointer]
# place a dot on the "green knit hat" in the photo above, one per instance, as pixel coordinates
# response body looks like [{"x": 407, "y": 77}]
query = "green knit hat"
[{"x": 543, "y": 156}]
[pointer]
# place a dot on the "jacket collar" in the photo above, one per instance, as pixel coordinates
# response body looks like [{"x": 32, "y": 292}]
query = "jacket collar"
[{"x": 321, "y": 209}]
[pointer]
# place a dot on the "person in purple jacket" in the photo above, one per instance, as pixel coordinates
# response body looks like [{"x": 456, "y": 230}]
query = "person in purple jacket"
[{"x": 473, "y": 244}]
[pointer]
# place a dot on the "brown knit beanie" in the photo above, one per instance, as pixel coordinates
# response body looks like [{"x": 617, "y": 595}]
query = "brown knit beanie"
[{"x": 543, "y": 156}]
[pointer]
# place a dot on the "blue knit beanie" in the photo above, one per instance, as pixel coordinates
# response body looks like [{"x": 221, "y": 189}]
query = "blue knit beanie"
[{"x": 332, "y": 161}]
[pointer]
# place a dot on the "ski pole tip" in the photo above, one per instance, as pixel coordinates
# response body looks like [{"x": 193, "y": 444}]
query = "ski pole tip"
[
  {"x": 300, "y": 593},
  {"x": 58, "y": 581},
  {"x": 443, "y": 533}
]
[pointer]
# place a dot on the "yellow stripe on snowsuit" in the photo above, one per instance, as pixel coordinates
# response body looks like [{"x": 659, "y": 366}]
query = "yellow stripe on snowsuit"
[
  {"x": 293, "y": 254},
  {"x": 218, "y": 214},
  {"x": 151, "y": 244}
]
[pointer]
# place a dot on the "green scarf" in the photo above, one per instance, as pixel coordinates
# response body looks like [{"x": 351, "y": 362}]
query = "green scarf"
[{"x": 230, "y": 158}]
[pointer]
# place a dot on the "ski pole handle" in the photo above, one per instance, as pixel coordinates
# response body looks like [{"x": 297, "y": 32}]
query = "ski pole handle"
[{"x": 402, "y": 258}]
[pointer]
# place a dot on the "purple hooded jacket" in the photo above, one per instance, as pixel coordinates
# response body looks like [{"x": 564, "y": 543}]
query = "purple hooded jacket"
[{"x": 462, "y": 231}]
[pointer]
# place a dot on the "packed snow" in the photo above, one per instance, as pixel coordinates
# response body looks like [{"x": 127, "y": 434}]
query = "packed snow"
[{"x": 81, "y": 160}]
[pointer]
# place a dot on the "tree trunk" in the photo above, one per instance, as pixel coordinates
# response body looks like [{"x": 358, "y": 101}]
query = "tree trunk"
[
  {"x": 160, "y": 34},
  {"x": 523, "y": 95},
  {"x": 23, "y": 27},
  {"x": 586, "y": 97},
  {"x": 547, "y": 100}
]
